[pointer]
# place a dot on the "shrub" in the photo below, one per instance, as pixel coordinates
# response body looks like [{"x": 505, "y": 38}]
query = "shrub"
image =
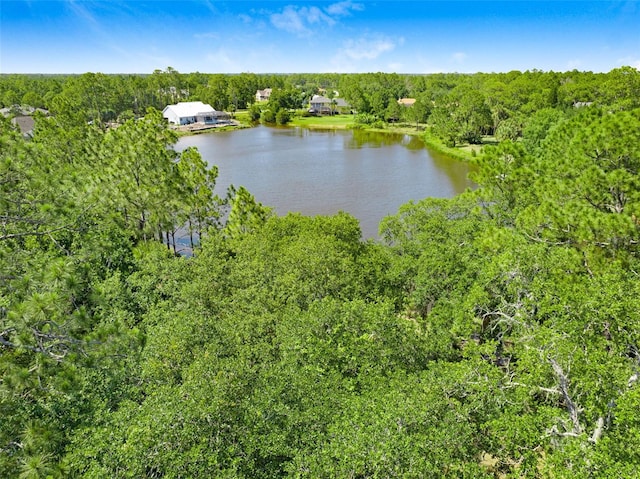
[
  {"x": 364, "y": 119},
  {"x": 268, "y": 116},
  {"x": 283, "y": 116}
]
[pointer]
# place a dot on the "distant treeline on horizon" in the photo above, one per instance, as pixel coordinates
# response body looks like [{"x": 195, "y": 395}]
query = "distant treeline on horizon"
[{"x": 494, "y": 97}]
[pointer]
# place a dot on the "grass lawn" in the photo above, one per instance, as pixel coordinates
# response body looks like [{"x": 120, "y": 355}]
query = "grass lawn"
[
  {"x": 333, "y": 122},
  {"x": 242, "y": 116},
  {"x": 486, "y": 140},
  {"x": 404, "y": 128}
]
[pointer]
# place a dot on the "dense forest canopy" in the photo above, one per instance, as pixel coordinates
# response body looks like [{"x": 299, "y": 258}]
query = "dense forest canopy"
[
  {"x": 495, "y": 334},
  {"x": 482, "y": 100}
]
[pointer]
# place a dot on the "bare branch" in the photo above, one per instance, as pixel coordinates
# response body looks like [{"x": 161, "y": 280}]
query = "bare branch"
[
  {"x": 547, "y": 242},
  {"x": 597, "y": 432},
  {"x": 554, "y": 432},
  {"x": 572, "y": 408}
]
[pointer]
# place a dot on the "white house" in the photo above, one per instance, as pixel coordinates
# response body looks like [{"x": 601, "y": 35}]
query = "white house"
[
  {"x": 321, "y": 105},
  {"x": 263, "y": 95},
  {"x": 187, "y": 112}
]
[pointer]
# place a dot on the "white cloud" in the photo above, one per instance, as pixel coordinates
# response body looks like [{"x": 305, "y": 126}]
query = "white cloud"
[
  {"x": 315, "y": 15},
  {"x": 79, "y": 10},
  {"x": 367, "y": 48},
  {"x": 300, "y": 20},
  {"x": 303, "y": 20},
  {"x": 289, "y": 20},
  {"x": 209, "y": 4},
  {"x": 341, "y": 9}
]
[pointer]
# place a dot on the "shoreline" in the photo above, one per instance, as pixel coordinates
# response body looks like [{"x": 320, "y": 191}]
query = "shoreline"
[
  {"x": 199, "y": 128},
  {"x": 421, "y": 131}
]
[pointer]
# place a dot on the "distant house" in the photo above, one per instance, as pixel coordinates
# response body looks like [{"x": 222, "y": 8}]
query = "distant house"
[
  {"x": 406, "y": 102},
  {"x": 321, "y": 105},
  {"x": 263, "y": 95},
  {"x": 25, "y": 123},
  {"x": 22, "y": 110},
  {"x": 186, "y": 113},
  {"x": 22, "y": 117}
]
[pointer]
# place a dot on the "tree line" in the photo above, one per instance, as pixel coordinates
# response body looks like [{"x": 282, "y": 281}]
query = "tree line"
[
  {"x": 461, "y": 107},
  {"x": 494, "y": 334}
]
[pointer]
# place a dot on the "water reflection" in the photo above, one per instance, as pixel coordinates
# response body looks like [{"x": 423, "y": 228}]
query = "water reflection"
[
  {"x": 413, "y": 142},
  {"x": 368, "y": 174},
  {"x": 373, "y": 139},
  {"x": 457, "y": 171}
]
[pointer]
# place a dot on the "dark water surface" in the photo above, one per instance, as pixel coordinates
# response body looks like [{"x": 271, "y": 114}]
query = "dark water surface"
[{"x": 315, "y": 172}]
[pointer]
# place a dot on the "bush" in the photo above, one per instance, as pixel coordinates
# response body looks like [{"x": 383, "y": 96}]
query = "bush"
[
  {"x": 364, "y": 119},
  {"x": 283, "y": 117},
  {"x": 472, "y": 137},
  {"x": 268, "y": 116},
  {"x": 255, "y": 112}
]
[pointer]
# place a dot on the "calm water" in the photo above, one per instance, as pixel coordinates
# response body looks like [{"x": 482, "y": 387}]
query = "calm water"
[{"x": 322, "y": 172}]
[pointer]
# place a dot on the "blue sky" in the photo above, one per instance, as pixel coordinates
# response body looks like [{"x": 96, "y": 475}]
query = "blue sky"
[{"x": 215, "y": 36}]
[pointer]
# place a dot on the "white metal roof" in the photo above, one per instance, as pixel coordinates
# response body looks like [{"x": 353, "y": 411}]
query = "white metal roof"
[{"x": 189, "y": 108}]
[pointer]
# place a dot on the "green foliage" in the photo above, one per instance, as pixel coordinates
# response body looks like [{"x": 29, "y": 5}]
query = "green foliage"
[
  {"x": 404, "y": 425},
  {"x": 246, "y": 215},
  {"x": 197, "y": 182},
  {"x": 141, "y": 174},
  {"x": 68, "y": 302},
  {"x": 461, "y": 116},
  {"x": 509, "y": 129},
  {"x": 268, "y": 116},
  {"x": 254, "y": 112},
  {"x": 372, "y": 92},
  {"x": 585, "y": 183},
  {"x": 420, "y": 111},
  {"x": 283, "y": 117},
  {"x": 288, "y": 99},
  {"x": 503, "y": 171},
  {"x": 495, "y": 334},
  {"x": 364, "y": 119},
  {"x": 538, "y": 126},
  {"x": 393, "y": 112}
]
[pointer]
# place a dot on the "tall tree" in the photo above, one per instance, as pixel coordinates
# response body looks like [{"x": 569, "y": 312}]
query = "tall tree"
[{"x": 140, "y": 175}]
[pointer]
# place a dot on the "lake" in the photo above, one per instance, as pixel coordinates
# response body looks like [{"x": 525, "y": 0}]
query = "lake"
[{"x": 367, "y": 174}]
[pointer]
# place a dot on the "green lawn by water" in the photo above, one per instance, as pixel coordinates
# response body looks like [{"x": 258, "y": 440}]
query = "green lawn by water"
[{"x": 335, "y": 121}]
